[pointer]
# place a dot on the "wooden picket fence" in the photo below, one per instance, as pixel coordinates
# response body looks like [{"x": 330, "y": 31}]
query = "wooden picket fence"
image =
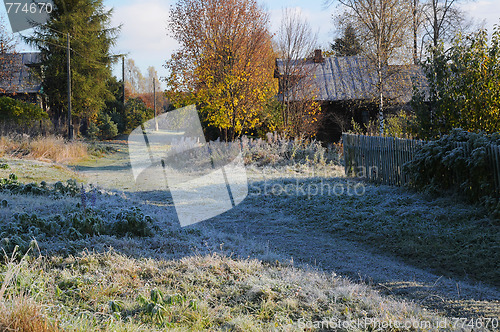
[
  {"x": 381, "y": 159},
  {"x": 378, "y": 159},
  {"x": 493, "y": 152}
]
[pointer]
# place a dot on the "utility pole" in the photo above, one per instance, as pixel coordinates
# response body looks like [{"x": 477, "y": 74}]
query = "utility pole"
[
  {"x": 123, "y": 80},
  {"x": 415, "y": 32},
  {"x": 70, "y": 126},
  {"x": 154, "y": 103}
]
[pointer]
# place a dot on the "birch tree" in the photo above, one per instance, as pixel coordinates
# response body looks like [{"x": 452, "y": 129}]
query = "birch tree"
[
  {"x": 384, "y": 27},
  {"x": 442, "y": 20},
  {"x": 295, "y": 42},
  {"x": 135, "y": 82}
]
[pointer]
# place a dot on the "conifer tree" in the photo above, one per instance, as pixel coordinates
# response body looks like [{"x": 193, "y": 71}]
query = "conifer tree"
[{"x": 91, "y": 39}]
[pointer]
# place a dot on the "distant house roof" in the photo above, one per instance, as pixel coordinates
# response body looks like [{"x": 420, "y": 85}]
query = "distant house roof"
[
  {"x": 355, "y": 78},
  {"x": 16, "y": 76}
]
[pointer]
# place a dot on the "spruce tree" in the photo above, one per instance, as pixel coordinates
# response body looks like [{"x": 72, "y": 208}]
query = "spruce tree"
[
  {"x": 91, "y": 39},
  {"x": 347, "y": 45}
]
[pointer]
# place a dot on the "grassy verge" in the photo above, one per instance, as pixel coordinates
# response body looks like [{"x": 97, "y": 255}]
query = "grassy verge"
[
  {"x": 37, "y": 171},
  {"x": 50, "y": 149},
  {"x": 111, "y": 292},
  {"x": 166, "y": 286}
]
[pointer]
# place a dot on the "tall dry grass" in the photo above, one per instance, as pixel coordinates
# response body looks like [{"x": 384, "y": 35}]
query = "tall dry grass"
[
  {"x": 19, "y": 312},
  {"x": 22, "y": 314},
  {"x": 50, "y": 148}
]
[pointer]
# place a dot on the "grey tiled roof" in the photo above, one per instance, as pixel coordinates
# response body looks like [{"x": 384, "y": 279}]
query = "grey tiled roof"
[
  {"x": 18, "y": 77},
  {"x": 355, "y": 78}
]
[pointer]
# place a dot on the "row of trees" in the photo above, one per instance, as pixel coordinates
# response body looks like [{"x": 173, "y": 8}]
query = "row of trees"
[
  {"x": 461, "y": 67},
  {"x": 226, "y": 64},
  {"x": 395, "y": 32},
  {"x": 226, "y": 60},
  {"x": 398, "y": 30}
]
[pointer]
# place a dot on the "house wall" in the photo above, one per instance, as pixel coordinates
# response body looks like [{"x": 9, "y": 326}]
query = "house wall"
[{"x": 337, "y": 116}]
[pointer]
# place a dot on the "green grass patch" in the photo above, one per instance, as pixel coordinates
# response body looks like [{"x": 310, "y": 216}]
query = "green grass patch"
[{"x": 37, "y": 171}]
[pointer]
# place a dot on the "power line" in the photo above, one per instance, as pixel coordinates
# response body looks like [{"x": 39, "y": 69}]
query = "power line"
[
  {"x": 70, "y": 125},
  {"x": 65, "y": 34},
  {"x": 62, "y": 33},
  {"x": 78, "y": 53}
]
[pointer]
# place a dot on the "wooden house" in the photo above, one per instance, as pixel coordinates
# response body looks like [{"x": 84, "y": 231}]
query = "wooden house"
[
  {"x": 18, "y": 78},
  {"x": 347, "y": 88}
]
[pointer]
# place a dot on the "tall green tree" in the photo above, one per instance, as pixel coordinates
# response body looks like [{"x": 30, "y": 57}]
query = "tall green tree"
[
  {"x": 91, "y": 36},
  {"x": 348, "y": 44}
]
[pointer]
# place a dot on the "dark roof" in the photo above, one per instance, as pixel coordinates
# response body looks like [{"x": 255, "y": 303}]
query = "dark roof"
[
  {"x": 18, "y": 77},
  {"x": 355, "y": 78}
]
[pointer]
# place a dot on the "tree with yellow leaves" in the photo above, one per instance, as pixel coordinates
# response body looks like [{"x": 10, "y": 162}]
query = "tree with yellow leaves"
[{"x": 225, "y": 63}]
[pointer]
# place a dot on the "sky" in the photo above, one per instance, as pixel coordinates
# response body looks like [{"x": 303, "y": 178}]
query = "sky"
[{"x": 144, "y": 35}]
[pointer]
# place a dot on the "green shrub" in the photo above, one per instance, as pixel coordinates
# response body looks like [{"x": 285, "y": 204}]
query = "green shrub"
[
  {"x": 463, "y": 86},
  {"x": 136, "y": 113},
  {"x": 20, "y": 112},
  {"x": 23, "y": 228},
  {"x": 107, "y": 128},
  {"x": 395, "y": 125},
  {"x": 13, "y": 186},
  {"x": 132, "y": 222},
  {"x": 119, "y": 119},
  {"x": 458, "y": 161},
  {"x": 93, "y": 131},
  {"x": 398, "y": 125}
]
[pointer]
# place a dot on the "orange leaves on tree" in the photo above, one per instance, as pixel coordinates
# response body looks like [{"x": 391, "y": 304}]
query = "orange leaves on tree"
[{"x": 225, "y": 63}]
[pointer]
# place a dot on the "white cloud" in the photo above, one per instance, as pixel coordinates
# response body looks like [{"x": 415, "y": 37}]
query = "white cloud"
[
  {"x": 483, "y": 10},
  {"x": 144, "y": 34}
]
